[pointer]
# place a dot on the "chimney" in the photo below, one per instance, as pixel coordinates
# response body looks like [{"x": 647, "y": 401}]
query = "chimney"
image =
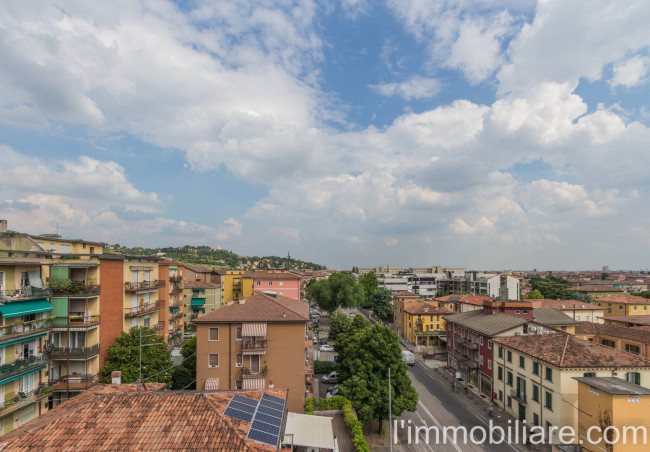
[
  {"x": 3, "y": 226},
  {"x": 116, "y": 377}
]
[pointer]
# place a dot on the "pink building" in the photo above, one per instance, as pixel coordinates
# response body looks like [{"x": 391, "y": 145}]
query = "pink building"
[{"x": 283, "y": 282}]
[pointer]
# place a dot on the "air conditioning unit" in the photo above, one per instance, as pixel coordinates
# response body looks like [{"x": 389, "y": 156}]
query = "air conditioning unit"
[
  {"x": 533, "y": 328},
  {"x": 540, "y": 331},
  {"x": 518, "y": 333}
]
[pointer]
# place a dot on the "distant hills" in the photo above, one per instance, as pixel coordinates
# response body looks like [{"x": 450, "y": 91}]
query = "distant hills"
[{"x": 217, "y": 257}]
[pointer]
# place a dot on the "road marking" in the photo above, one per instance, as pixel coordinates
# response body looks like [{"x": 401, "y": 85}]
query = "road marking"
[{"x": 438, "y": 424}]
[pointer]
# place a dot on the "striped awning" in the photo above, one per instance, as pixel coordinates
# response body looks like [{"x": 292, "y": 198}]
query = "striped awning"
[
  {"x": 254, "y": 352},
  {"x": 212, "y": 384},
  {"x": 253, "y": 329},
  {"x": 254, "y": 383}
]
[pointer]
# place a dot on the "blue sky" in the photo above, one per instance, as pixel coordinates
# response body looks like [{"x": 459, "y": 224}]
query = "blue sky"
[{"x": 491, "y": 135}]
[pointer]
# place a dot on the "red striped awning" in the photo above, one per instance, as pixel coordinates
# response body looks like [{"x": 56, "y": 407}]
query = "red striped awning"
[
  {"x": 254, "y": 383},
  {"x": 253, "y": 329},
  {"x": 212, "y": 384}
]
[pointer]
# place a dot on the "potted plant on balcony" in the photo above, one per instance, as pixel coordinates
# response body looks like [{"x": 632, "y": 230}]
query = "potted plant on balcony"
[{"x": 265, "y": 370}]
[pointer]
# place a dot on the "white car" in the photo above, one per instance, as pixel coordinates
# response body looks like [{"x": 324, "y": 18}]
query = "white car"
[
  {"x": 326, "y": 348},
  {"x": 352, "y": 314}
]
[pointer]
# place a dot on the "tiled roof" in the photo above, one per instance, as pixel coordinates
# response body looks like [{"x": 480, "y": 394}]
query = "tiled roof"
[
  {"x": 271, "y": 275},
  {"x": 638, "y": 334},
  {"x": 201, "y": 285},
  {"x": 405, "y": 293},
  {"x": 484, "y": 323},
  {"x": 115, "y": 417},
  {"x": 567, "y": 351},
  {"x": 552, "y": 317},
  {"x": 597, "y": 288},
  {"x": 586, "y": 328},
  {"x": 623, "y": 298},
  {"x": 636, "y": 319},
  {"x": 565, "y": 305},
  {"x": 198, "y": 269},
  {"x": 476, "y": 300},
  {"x": 260, "y": 308},
  {"x": 426, "y": 308}
]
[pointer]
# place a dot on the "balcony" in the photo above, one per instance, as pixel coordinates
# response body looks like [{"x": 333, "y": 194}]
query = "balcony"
[
  {"x": 23, "y": 366},
  {"x": 519, "y": 396},
  {"x": 20, "y": 330},
  {"x": 176, "y": 278},
  {"x": 175, "y": 303},
  {"x": 76, "y": 320},
  {"x": 24, "y": 293},
  {"x": 463, "y": 342},
  {"x": 253, "y": 344},
  {"x": 143, "y": 285},
  {"x": 75, "y": 352},
  {"x": 74, "y": 382},
  {"x": 158, "y": 326},
  {"x": 248, "y": 372},
  {"x": 309, "y": 366},
  {"x": 437, "y": 333},
  {"x": 144, "y": 308},
  {"x": 23, "y": 399},
  {"x": 80, "y": 290},
  {"x": 175, "y": 316}
]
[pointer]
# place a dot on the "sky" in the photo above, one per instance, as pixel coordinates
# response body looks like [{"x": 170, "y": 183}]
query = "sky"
[{"x": 495, "y": 134}]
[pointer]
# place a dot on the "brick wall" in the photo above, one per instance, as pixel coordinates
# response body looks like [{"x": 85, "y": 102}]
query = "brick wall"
[{"x": 111, "y": 304}]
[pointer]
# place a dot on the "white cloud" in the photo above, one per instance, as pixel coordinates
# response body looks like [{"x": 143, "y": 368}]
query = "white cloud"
[
  {"x": 415, "y": 88},
  {"x": 390, "y": 241},
  {"x": 631, "y": 72}
]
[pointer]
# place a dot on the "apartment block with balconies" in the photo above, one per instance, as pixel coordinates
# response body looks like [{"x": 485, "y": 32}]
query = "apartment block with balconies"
[{"x": 172, "y": 294}]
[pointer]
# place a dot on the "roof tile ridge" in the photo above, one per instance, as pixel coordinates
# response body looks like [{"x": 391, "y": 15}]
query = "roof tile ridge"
[{"x": 275, "y": 300}]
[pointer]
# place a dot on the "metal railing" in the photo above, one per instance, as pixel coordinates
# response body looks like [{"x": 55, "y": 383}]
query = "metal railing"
[
  {"x": 74, "y": 352},
  {"x": 24, "y": 292},
  {"x": 175, "y": 316},
  {"x": 24, "y": 398},
  {"x": 143, "y": 285},
  {"x": 144, "y": 308},
  {"x": 518, "y": 396},
  {"x": 18, "y": 330},
  {"x": 21, "y": 366},
  {"x": 248, "y": 372},
  {"x": 76, "y": 320},
  {"x": 74, "y": 382},
  {"x": 254, "y": 344},
  {"x": 158, "y": 326},
  {"x": 80, "y": 291}
]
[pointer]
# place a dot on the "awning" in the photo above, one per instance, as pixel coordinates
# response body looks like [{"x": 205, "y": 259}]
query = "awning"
[
  {"x": 212, "y": 384},
  {"x": 309, "y": 431},
  {"x": 254, "y": 352},
  {"x": 197, "y": 301},
  {"x": 16, "y": 377},
  {"x": 24, "y": 339},
  {"x": 18, "y": 308},
  {"x": 174, "y": 309},
  {"x": 253, "y": 329},
  {"x": 35, "y": 279},
  {"x": 254, "y": 383}
]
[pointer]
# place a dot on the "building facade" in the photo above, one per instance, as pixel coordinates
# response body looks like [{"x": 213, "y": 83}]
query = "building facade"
[{"x": 203, "y": 298}]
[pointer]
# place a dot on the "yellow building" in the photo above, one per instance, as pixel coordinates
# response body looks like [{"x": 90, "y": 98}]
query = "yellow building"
[
  {"x": 425, "y": 324},
  {"x": 607, "y": 401},
  {"x": 235, "y": 286},
  {"x": 623, "y": 305},
  {"x": 204, "y": 297}
]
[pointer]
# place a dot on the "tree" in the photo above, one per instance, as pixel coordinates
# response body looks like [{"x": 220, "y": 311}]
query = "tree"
[
  {"x": 382, "y": 304},
  {"x": 339, "y": 290},
  {"x": 366, "y": 353},
  {"x": 124, "y": 356},
  {"x": 604, "y": 276},
  {"x": 583, "y": 297},
  {"x": 441, "y": 293},
  {"x": 535, "y": 295},
  {"x": 184, "y": 376},
  {"x": 369, "y": 284},
  {"x": 340, "y": 323},
  {"x": 552, "y": 287}
]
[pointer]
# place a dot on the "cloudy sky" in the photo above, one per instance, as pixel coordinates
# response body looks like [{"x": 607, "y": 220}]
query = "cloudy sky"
[{"x": 494, "y": 134}]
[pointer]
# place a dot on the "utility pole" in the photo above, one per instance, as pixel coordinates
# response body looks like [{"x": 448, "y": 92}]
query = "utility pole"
[{"x": 390, "y": 414}]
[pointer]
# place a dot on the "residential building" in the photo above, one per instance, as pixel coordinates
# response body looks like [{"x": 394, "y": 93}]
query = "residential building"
[
  {"x": 233, "y": 286},
  {"x": 401, "y": 300},
  {"x": 523, "y": 309},
  {"x": 394, "y": 283},
  {"x": 204, "y": 297},
  {"x": 425, "y": 325},
  {"x": 612, "y": 402},
  {"x": 599, "y": 290},
  {"x": 555, "y": 319},
  {"x": 463, "y": 303},
  {"x": 283, "y": 282},
  {"x": 633, "y": 340},
  {"x": 627, "y": 320},
  {"x": 623, "y": 305},
  {"x": 258, "y": 343},
  {"x": 171, "y": 292},
  {"x": 580, "y": 311},
  {"x": 469, "y": 343},
  {"x": 535, "y": 375},
  {"x": 201, "y": 273},
  {"x": 504, "y": 287},
  {"x": 131, "y": 297}
]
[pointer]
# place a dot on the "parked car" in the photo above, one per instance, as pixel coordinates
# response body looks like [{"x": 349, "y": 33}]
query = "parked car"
[
  {"x": 352, "y": 314},
  {"x": 326, "y": 348},
  {"x": 323, "y": 341},
  {"x": 408, "y": 357},
  {"x": 187, "y": 336},
  {"x": 332, "y": 377},
  {"x": 331, "y": 392}
]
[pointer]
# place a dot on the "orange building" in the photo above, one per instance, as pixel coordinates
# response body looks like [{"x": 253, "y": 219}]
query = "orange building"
[
  {"x": 171, "y": 293},
  {"x": 258, "y": 343}
]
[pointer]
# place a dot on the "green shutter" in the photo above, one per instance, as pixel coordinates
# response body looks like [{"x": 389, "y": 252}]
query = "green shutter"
[
  {"x": 60, "y": 306},
  {"x": 59, "y": 272}
]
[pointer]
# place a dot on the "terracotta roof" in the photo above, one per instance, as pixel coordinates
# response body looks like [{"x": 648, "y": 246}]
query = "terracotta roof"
[
  {"x": 260, "y": 308},
  {"x": 567, "y": 351},
  {"x": 552, "y": 317},
  {"x": 198, "y": 268},
  {"x": 405, "y": 293},
  {"x": 485, "y": 323},
  {"x": 115, "y": 417},
  {"x": 638, "y": 334},
  {"x": 476, "y": 300},
  {"x": 271, "y": 275},
  {"x": 623, "y": 298},
  {"x": 597, "y": 288},
  {"x": 586, "y": 328},
  {"x": 170, "y": 262},
  {"x": 636, "y": 319},
  {"x": 426, "y": 308},
  {"x": 201, "y": 285},
  {"x": 568, "y": 305}
]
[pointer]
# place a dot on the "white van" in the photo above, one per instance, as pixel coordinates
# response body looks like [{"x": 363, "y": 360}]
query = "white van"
[{"x": 408, "y": 357}]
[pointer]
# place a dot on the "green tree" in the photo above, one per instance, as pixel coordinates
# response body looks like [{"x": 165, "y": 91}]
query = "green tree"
[
  {"x": 369, "y": 284},
  {"x": 535, "y": 295},
  {"x": 188, "y": 351},
  {"x": 552, "y": 287},
  {"x": 441, "y": 293},
  {"x": 340, "y": 323},
  {"x": 339, "y": 290},
  {"x": 604, "y": 276},
  {"x": 124, "y": 356},
  {"x": 382, "y": 304},
  {"x": 583, "y": 297},
  {"x": 184, "y": 376},
  {"x": 365, "y": 355}
]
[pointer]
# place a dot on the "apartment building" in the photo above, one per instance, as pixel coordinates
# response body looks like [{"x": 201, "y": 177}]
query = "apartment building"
[
  {"x": 463, "y": 303},
  {"x": 258, "y": 343},
  {"x": 555, "y": 319},
  {"x": 623, "y": 305},
  {"x": 580, "y": 311},
  {"x": 633, "y": 340},
  {"x": 201, "y": 273},
  {"x": 233, "y": 286},
  {"x": 204, "y": 298},
  {"x": 284, "y": 282},
  {"x": 536, "y": 375},
  {"x": 401, "y": 300},
  {"x": 425, "y": 324},
  {"x": 171, "y": 291}
]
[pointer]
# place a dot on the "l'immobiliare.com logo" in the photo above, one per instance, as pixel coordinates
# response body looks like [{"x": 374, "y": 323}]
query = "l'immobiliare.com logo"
[{"x": 516, "y": 433}]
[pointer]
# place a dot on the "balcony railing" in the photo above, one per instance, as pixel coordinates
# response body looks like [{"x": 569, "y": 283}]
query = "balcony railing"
[
  {"x": 81, "y": 290},
  {"x": 74, "y": 352},
  {"x": 25, "y": 292},
  {"x": 519, "y": 396},
  {"x": 76, "y": 320},
  {"x": 248, "y": 372},
  {"x": 23, "y": 399},
  {"x": 144, "y": 308},
  {"x": 175, "y": 303},
  {"x": 143, "y": 285},
  {"x": 176, "y": 278},
  {"x": 309, "y": 365},
  {"x": 254, "y": 344},
  {"x": 18, "y": 330},
  {"x": 175, "y": 316},
  {"x": 21, "y": 366},
  {"x": 74, "y": 382},
  {"x": 158, "y": 326}
]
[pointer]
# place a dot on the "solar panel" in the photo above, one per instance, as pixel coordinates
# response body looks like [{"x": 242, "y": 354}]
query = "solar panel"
[
  {"x": 241, "y": 408},
  {"x": 267, "y": 421}
]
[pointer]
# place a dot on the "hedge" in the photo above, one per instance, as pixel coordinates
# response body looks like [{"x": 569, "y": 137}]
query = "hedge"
[
  {"x": 325, "y": 367},
  {"x": 349, "y": 416}
]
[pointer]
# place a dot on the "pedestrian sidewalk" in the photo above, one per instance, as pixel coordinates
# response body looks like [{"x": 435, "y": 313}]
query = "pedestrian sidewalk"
[{"x": 479, "y": 403}]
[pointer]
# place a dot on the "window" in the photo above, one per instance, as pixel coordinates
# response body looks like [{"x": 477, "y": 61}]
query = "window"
[
  {"x": 500, "y": 352},
  {"x": 633, "y": 349},
  {"x": 522, "y": 362},
  {"x": 270, "y": 283},
  {"x": 634, "y": 377},
  {"x": 509, "y": 356},
  {"x": 634, "y": 308},
  {"x": 548, "y": 403},
  {"x": 147, "y": 321},
  {"x": 490, "y": 345},
  {"x": 549, "y": 374},
  {"x": 609, "y": 310},
  {"x": 589, "y": 374},
  {"x": 500, "y": 395},
  {"x": 258, "y": 283},
  {"x": 489, "y": 364},
  {"x": 509, "y": 378},
  {"x": 608, "y": 343},
  {"x": 214, "y": 334},
  {"x": 238, "y": 385},
  {"x": 481, "y": 359},
  {"x": 525, "y": 311},
  {"x": 481, "y": 340},
  {"x": 52, "y": 247},
  {"x": 620, "y": 307},
  {"x": 281, "y": 293},
  {"x": 517, "y": 311},
  {"x": 500, "y": 373},
  {"x": 239, "y": 360},
  {"x": 66, "y": 249},
  {"x": 535, "y": 393},
  {"x": 213, "y": 360},
  {"x": 281, "y": 283},
  {"x": 509, "y": 401},
  {"x": 92, "y": 250},
  {"x": 536, "y": 368},
  {"x": 578, "y": 318},
  {"x": 238, "y": 333},
  {"x": 535, "y": 419}
]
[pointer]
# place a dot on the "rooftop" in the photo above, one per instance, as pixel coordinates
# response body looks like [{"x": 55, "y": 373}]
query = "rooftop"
[
  {"x": 567, "y": 351},
  {"x": 597, "y": 288},
  {"x": 634, "y": 334},
  {"x": 271, "y": 275},
  {"x": 476, "y": 300},
  {"x": 426, "y": 308},
  {"x": 552, "y": 317},
  {"x": 565, "y": 305},
  {"x": 116, "y": 417},
  {"x": 201, "y": 285},
  {"x": 634, "y": 319},
  {"x": 198, "y": 269},
  {"x": 486, "y": 323},
  {"x": 623, "y": 298},
  {"x": 614, "y": 386},
  {"x": 405, "y": 293},
  {"x": 260, "y": 308}
]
